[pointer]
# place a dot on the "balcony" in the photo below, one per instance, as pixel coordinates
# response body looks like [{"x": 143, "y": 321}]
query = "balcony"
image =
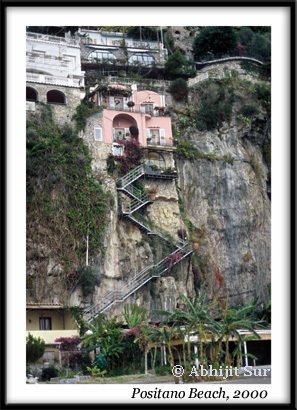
[
  {"x": 53, "y": 39},
  {"x": 54, "y": 80},
  {"x": 49, "y": 336},
  {"x": 125, "y": 108}
]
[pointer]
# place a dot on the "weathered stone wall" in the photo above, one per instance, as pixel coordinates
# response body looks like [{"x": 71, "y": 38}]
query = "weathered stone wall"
[{"x": 61, "y": 112}]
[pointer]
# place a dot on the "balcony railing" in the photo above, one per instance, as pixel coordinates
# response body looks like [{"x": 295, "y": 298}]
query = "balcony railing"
[
  {"x": 55, "y": 80},
  {"x": 154, "y": 113},
  {"x": 162, "y": 143},
  {"x": 54, "y": 39}
]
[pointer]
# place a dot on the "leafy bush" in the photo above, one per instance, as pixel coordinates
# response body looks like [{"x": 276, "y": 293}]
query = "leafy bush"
[
  {"x": 48, "y": 373},
  {"x": 214, "y": 40},
  {"x": 88, "y": 279},
  {"x": 262, "y": 92},
  {"x": 83, "y": 111},
  {"x": 145, "y": 33},
  {"x": 249, "y": 110},
  {"x": 216, "y": 102},
  {"x": 186, "y": 150},
  {"x": 34, "y": 348},
  {"x": 162, "y": 370},
  {"x": 177, "y": 64},
  {"x": 179, "y": 89}
]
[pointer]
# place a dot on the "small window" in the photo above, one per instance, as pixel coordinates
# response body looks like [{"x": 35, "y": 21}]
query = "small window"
[
  {"x": 117, "y": 150},
  {"x": 56, "y": 97},
  {"x": 98, "y": 134},
  {"x": 147, "y": 108},
  {"x": 31, "y": 94},
  {"x": 45, "y": 323}
]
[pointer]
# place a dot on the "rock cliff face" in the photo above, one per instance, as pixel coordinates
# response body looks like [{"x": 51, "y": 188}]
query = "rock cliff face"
[{"x": 228, "y": 200}]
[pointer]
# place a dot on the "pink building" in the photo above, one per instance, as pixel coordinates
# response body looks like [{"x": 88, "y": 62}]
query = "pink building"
[{"x": 144, "y": 110}]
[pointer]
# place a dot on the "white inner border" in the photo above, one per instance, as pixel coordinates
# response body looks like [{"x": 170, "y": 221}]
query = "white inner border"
[{"x": 20, "y": 17}]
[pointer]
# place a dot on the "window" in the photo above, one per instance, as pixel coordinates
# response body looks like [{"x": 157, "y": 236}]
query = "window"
[
  {"x": 55, "y": 97},
  {"x": 101, "y": 55},
  {"x": 155, "y": 136},
  {"x": 31, "y": 94},
  {"x": 117, "y": 150},
  {"x": 143, "y": 59},
  {"x": 147, "y": 108},
  {"x": 98, "y": 133},
  {"x": 121, "y": 134},
  {"x": 45, "y": 323}
]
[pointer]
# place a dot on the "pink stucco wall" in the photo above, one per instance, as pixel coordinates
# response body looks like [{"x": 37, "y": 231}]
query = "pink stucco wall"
[{"x": 123, "y": 119}]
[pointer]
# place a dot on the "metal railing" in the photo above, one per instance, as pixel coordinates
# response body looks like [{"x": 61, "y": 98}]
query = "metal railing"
[
  {"x": 131, "y": 176},
  {"x": 144, "y": 276}
]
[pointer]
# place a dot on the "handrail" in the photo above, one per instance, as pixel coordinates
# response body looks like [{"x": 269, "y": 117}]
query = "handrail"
[
  {"x": 229, "y": 58},
  {"x": 156, "y": 270}
]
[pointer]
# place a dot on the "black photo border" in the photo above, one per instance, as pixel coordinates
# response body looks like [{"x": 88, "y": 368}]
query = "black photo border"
[{"x": 291, "y": 5}]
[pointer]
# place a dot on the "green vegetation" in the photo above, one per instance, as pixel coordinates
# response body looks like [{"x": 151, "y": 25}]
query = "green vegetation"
[
  {"x": 34, "y": 348},
  {"x": 178, "y": 64},
  {"x": 218, "y": 41},
  {"x": 83, "y": 111},
  {"x": 214, "y": 40},
  {"x": 179, "y": 89},
  {"x": 64, "y": 200},
  {"x": 88, "y": 278}
]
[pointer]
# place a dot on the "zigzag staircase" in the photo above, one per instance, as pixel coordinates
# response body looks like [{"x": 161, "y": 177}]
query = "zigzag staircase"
[{"x": 138, "y": 200}]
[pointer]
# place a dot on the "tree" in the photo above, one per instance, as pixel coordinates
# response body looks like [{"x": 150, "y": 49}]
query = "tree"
[
  {"x": 34, "y": 348},
  {"x": 179, "y": 89},
  {"x": 231, "y": 320},
  {"x": 105, "y": 334},
  {"x": 177, "y": 64},
  {"x": 135, "y": 314},
  {"x": 214, "y": 40},
  {"x": 144, "y": 33}
]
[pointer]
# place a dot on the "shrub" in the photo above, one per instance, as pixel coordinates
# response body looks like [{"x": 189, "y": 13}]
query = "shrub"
[
  {"x": 177, "y": 64},
  {"x": 162, "y": 370},
  {"x": 214, "y": 40},
  {"x": 249, "y": 110},
  {"x": 34, "y": 348},
  {"x": 179, "y": 89},
  {"x": 48, "y": 373},
  {"x": 88, "y": 279}
]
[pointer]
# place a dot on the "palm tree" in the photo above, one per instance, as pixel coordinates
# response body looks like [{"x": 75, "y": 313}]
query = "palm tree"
[
  {"x": 232, "y": 320},
  {"x": 195, "y": 318}
]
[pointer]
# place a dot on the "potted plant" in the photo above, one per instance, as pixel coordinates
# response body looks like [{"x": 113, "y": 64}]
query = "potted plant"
[
  {"x": 130, "y": 104},
  {"x": 152, "y": 191}
]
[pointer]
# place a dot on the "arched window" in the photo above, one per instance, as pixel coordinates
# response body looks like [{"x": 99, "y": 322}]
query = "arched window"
[
  {"x": 101, "y": 55},
  {"x": 155, "y": 160},
  {"x": 142, "y": 59},
  {"x": 31, "y": 94},
  {"x": 55, "y": 97}
]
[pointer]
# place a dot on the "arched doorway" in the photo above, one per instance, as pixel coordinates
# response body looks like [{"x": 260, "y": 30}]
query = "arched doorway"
[
  {"x": 55, "y": 97},
  {"x": 31, "y": 94},
  {"x": 124, "y": 128},
  {"x": 155, "y": 160}
]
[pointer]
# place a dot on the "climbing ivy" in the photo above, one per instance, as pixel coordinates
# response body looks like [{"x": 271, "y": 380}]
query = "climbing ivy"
[
  {"x": 63, "y": 198},
  {"x": 83, "y": 111}
]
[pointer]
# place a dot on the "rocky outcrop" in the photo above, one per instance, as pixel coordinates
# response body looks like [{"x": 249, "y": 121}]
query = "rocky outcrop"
[{"x": 225, "y": 196}]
